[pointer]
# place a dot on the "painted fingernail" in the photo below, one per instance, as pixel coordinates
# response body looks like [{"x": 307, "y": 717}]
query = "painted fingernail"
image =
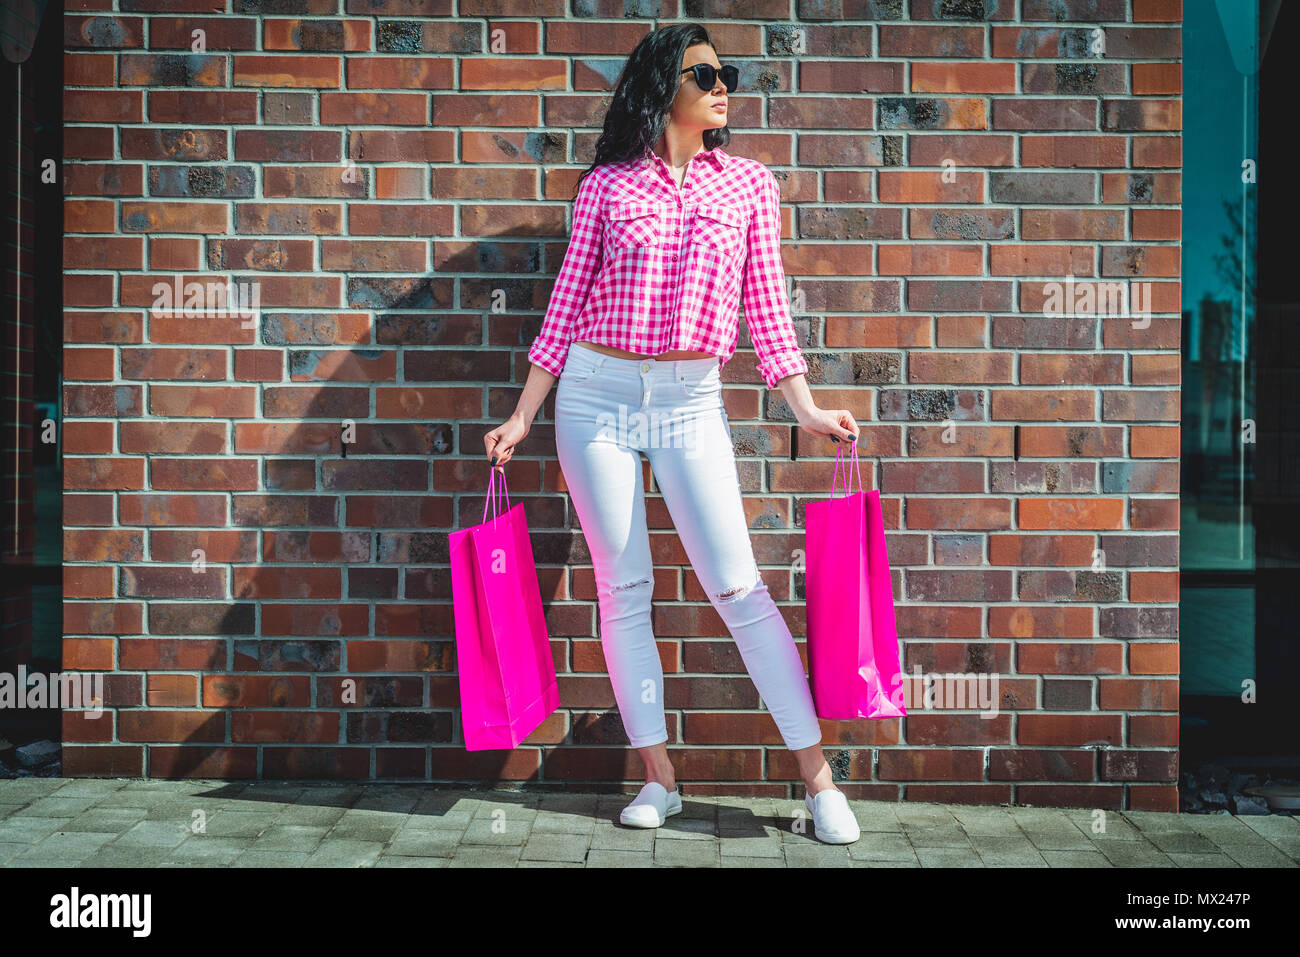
[{"x": 494, "y": 460}]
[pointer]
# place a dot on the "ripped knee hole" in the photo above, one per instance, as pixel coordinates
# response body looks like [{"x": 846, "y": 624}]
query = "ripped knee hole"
[
  {"x": 636, "y": 584},
  {"x": 735, "y": 594}
]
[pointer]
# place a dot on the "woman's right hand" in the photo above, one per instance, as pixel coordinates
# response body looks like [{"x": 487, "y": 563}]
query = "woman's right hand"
[{"x": 501, "y": 441}]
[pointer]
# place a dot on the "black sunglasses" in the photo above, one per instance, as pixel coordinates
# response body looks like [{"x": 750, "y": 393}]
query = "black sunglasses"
[{"x": 706, "y": 76}]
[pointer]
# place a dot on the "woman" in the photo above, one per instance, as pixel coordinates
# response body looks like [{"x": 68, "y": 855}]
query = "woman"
[{"x": 670, "y": 233}]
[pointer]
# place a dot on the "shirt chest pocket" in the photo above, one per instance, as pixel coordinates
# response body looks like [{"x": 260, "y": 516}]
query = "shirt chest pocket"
[
  {"x": 632, "y": 225},
  {"x": 720, "y": 227}
]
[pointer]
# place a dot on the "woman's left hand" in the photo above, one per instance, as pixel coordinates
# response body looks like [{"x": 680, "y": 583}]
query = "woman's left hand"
[{"x": 836, "y": 423}]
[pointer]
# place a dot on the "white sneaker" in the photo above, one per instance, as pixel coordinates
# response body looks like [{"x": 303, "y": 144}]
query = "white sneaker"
[
  {"x": 833, "y": 820},
  {"x": 652, "y": 806}
]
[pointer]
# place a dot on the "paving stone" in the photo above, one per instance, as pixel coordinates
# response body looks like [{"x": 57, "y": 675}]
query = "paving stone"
[
  {"x": 228, "y": 794},
  {"x": 607, "y": 836},
  {"x": 265, "y": 792},
  {"x": 1182, "y": 842},
  {"x": 181, "y": 810},
  {"x": 369, "y": 826},
  {"x": 1272, "y": 825},
  {"x": 1149, "y": 822},
  {"x": 986, "y": 822},
  {"x": 1133, "y": 854},
  {"x": 1007, "y": 851},
  {"x": 1076, "y": 859},
  {"x": 555, "y": 847},
  {"x": 578, "y": 805},
  {"x": 10, "y": 851},
  {"x": 605, "y": 857},
  {"x": 115, "y": 819},
  {"x": 938, "y": 835},
  {"x": 703, "y": 807},
  {"x": 29, "y": 830},
  {"x": 1288, "y": 846},
  {"x": 290, "y": 837},
  {"x": 522, "y": 800},
  {"x": 948, "y": 857},
  {"x": 796, "y": 831},
  {"x": 344, "y": 853},
  {"x": 258, "y": 858},
  {"x": 872, "y": 863},
  {"x": 26, "y": 790},
  {"x": 1116, "y": 827},
  {"x": 456, "y": 818},
  {"x": 448, "y": 805},
  {"x": 553, "y": 822},
  {"x": 924, "y": 815},
  {"x": 56, "y": 806},
  {"x": 424, "y": 842},
  {"x": 1258, "y": 855},
  {"x": 128, "y": 855},
  {"x": 872, "y": 816},
  {"x": 687, "y": 853},
  {"x": 63, "y": 849},
  {"x": 525, "y": 863},
  {"x": 388, "y": 799},
  {"x": 387, "y": 861},
  {"x": 204, "y": 850},
  {"x": 332, "y": 795},
  {"x": 881, "y": 847},
  {"x": 755, "y": 813},
  {"x": 484, "y": 855},
  {"x": 1224, "y": 828},
  {"x": 319, "y": 815},
  {"x": 764, "y": 845},
  {"x": 1067, "y": 837},
  {"x": 238, "y": 823},
  {"x": 1202, "y": 860},
  {"x": 488, "y": 832},
  {"x": 140, "y": 823},
  {"x": 134, "y": 797},
  {"x": 154, "y": 834},
  {"x": 681, "y": 828},
  {"x": 512, "y": 815}
]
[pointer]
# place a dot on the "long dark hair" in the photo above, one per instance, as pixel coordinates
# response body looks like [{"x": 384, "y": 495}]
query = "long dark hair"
[{"x": 638, "y": 114}]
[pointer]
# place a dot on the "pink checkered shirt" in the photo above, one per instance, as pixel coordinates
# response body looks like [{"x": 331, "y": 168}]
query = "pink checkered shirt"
[{"x": 651, "y": 268}]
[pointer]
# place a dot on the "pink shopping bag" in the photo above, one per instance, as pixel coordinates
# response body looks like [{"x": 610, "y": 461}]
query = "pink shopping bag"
[
  {"x": 852, "y": 635},
  {"x": 503, "y": 652}
]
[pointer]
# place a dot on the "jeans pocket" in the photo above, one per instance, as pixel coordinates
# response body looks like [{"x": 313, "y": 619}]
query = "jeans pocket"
[
  {"x": 576, "y": 373},
  {"x": 698, "y": 386}
]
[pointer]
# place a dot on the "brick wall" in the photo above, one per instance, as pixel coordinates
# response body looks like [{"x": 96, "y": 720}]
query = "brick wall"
[{"x": 382, "y": 168}]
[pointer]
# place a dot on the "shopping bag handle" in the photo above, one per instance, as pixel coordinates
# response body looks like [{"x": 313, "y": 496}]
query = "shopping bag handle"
[
  {"x": 491, "y": 486},
  {"x": 848, "y": 479}
]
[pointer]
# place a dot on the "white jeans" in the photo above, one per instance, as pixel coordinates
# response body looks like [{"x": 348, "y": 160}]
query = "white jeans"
[{"x": 607, "y": 410}]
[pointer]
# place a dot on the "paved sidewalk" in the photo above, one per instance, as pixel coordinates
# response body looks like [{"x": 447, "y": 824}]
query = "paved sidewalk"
[{"x": 75, "y": 822}]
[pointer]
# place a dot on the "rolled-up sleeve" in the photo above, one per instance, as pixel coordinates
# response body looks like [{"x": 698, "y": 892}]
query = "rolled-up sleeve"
[
  {"x": 763, "y": 297},
  {"x": 582, "y": 259}
]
